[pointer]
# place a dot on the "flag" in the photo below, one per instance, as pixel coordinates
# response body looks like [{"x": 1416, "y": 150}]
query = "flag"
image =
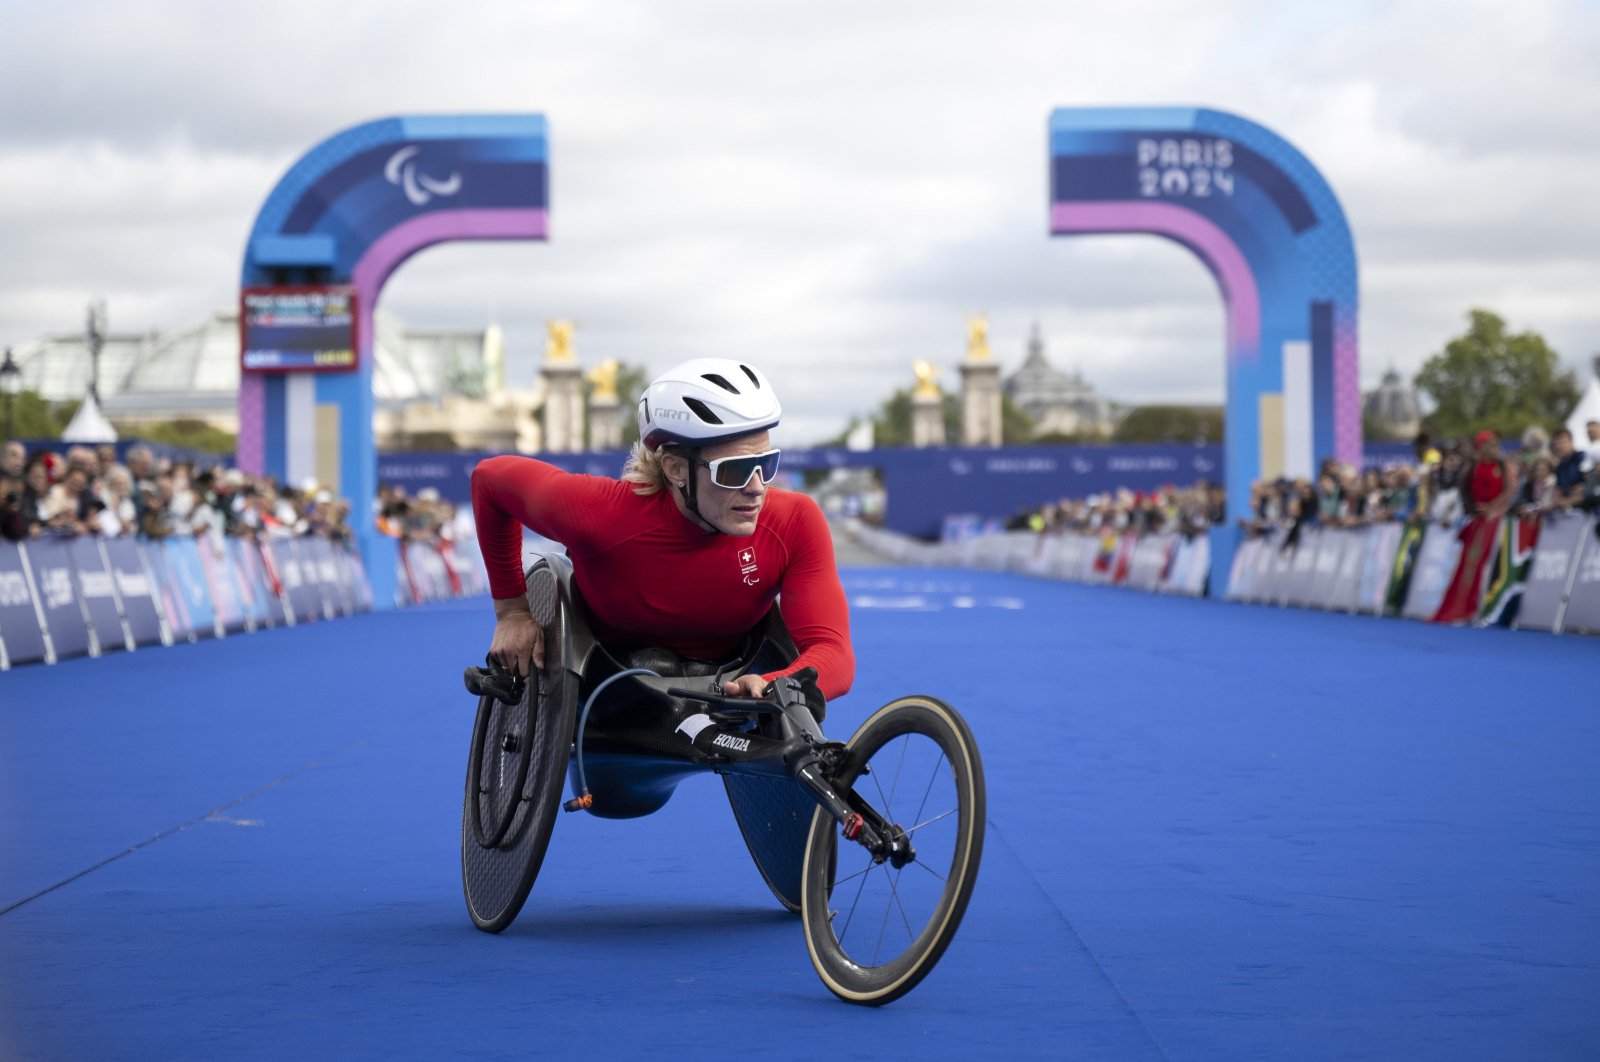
[{"x": 1508, "y": 571}]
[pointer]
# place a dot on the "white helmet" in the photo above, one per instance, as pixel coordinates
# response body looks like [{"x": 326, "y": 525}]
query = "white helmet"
[{"x": 704, "y": 401}]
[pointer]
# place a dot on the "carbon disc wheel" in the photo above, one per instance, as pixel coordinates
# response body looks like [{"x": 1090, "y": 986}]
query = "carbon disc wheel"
[
  {"x": 515, "y": 770},
  {"x": 875, "y": 930}
]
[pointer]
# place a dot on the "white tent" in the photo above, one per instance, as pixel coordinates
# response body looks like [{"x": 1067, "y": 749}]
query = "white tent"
[
  {"x": 89, "y": 425},
  {"x": 1588, "y": 409}
]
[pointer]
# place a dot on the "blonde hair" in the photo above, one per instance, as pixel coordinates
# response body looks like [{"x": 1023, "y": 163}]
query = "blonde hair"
[{"x": 643, "y": 469}]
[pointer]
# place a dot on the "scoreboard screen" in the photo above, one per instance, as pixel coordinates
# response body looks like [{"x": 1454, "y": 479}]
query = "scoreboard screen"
[{"x": 297, "y": 329}]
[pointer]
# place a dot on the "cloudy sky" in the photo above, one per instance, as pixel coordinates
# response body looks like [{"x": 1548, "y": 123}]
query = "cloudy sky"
[{"x": 827, "y": 188}]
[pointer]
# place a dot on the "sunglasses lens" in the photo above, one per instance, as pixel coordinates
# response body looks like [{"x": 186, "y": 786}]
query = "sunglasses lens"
[{"x": 735, "y": 472}]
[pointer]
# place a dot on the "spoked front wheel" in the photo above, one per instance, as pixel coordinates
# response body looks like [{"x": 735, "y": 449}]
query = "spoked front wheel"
[{"x": 874, "y": 929}]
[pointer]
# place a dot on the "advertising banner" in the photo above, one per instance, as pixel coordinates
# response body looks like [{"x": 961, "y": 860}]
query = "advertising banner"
[
  {"x": 1330, "y": 550},
  {"x": 304, "y": 598},
  {"x": 135, "y": 593},
  {"x": 97, "y": 595},
  {"x": 1551, "y": 574},
  {"x": 174, "y": 603},
  {"x": 1344, "y": 595},
  {"x": 21, "y": 634},
  {"x": 189, "y": 578},
  {"x": 335, "y": 596},
  {"x": 246, "y": 582},
  {"x": 1304, "y": 567},
  {"x": 1431, "y": 573},
  {"x": 226, "y": 600},
  {"x": 1377, "y": 568},
  {"x": 1583, "y": 603},
  {"x": 1281, "y": 580},
  {"x": 1242, "y": 576},
  {"x": 265, "y": 572},
  {"x": 51, "y": 569},
  {"x": 362, "y": 585}
]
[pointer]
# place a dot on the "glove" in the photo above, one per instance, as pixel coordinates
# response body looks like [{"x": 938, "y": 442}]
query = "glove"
[{"x": 800, "y": 688}]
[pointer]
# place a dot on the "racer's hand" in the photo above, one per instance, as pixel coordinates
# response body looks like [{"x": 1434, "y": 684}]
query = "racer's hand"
[
  {"x": 518, "y": 639},
  {"x": 745, "y": 686}
]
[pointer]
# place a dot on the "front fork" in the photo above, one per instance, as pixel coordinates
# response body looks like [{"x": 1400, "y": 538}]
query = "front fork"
[{"x": 859, "y": 821}]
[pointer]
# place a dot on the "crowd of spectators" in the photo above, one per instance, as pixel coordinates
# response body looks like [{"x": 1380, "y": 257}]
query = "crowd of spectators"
[
  {"x": 86, "y": 490},
  {"x": 1186, "y": 510},
  {"x": 1448, "y": 483}
]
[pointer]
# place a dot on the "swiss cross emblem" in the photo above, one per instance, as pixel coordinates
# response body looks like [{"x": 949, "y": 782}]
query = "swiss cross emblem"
[{"x": 747, "y": 566}]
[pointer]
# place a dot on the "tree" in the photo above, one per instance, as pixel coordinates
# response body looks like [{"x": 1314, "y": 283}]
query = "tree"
[
  {"x": 1182, "y": 424},
  {"x": 187, "y": 432},
  {"x": 1489, "y": 378},
  {"x": 34, "y": 417}
]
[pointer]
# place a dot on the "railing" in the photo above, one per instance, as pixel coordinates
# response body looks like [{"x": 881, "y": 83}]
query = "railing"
[
  {"x": 1549, "y": 576},
  {"x": 67, "y": 597}
]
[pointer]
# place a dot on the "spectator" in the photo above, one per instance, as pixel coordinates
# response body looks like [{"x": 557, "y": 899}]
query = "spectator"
[
  {"x": 13, "y": 527},
  {"x": 66, "y": 507},
  {"x": 1593, "y": 450},
  {"x": 35, "y": 488},
  {"x": 1539, "y": 493},
  {"x": 1568, "y": 469},
  {"x": 1535, "y": 444},
  {"x": 13, "y": 460}
]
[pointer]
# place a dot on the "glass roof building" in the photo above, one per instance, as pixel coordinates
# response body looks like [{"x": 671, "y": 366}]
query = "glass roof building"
[{"x": 193, "y": 371}]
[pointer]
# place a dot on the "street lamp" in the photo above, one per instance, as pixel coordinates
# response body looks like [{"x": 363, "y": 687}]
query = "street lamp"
[{"x": 10, "y": 384}]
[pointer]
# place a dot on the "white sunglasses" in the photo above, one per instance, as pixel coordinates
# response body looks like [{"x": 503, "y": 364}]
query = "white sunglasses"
[{"x": 734, "y": 472}]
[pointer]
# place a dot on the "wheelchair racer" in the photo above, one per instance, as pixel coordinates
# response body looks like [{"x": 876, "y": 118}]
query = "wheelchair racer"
[{"x": 689, "y": 549}]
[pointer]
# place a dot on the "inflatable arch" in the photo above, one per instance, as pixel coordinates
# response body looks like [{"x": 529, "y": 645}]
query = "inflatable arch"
[
  {"x": 343, "y": 218},
  {"x": 1268, "y": 227}
]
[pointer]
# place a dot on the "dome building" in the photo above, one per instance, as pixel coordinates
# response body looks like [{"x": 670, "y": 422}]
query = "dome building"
[
  {"x": 1392, "y": 408},
  {"x": 1057, "y": 403}
]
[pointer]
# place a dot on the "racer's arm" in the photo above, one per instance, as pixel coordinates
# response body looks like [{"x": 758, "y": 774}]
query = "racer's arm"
[
  {"x": 509, "y": 493},
  {"x": 814, "y": 606}
]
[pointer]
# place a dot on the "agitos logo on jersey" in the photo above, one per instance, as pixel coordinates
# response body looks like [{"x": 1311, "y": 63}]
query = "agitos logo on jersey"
[{"x": 747, "y": 565}]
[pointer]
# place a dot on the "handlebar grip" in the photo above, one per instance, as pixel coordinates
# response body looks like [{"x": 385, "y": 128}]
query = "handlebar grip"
[{"x": 726, "y": 704}]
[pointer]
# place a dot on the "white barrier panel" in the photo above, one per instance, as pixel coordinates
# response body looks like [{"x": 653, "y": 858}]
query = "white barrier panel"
[
  {"x": 1430, "y": 575},
  {"x": 1377, "y": 568},
  {"x": 1304, "y": 567},
  {"x": 1582, "y": 614},
  {"x": 1551, "y": 575}
]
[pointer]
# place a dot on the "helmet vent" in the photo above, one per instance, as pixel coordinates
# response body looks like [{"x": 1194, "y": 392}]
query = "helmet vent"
[
  {"x": 753, "y": 378},
  {"x": 703, "y": 411},
  {"x": 720, "y": 382}
]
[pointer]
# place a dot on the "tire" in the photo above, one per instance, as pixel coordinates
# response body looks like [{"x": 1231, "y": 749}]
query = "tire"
[
  {"x": 875, "y": 931},
  {"x": 505, "y": 826}
]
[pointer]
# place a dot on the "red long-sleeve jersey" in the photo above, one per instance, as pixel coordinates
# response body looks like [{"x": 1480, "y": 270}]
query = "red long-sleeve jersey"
[{"x": 650, "y": 576}]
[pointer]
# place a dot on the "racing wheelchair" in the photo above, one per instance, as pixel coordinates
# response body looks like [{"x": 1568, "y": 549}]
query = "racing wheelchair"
[{"x": 874, "y": 842}]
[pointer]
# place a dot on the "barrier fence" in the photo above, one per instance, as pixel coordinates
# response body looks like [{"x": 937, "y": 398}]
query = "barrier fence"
[
  {"x": 61, "y": 598},
  {"x": 1545, "y": 574}
]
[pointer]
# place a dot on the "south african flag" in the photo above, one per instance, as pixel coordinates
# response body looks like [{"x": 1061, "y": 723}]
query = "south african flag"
[{"x": 1508, "y": 570}]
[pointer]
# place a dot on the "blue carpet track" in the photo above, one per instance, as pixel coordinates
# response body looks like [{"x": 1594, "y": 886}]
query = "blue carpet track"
[{"x": 1216, "y": 832}]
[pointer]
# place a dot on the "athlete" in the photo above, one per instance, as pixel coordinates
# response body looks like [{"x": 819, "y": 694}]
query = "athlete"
[{"x": 689, "y": 549}]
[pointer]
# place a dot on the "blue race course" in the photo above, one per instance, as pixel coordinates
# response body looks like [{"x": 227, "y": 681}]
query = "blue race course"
[{"x": 1216, "y": 832}]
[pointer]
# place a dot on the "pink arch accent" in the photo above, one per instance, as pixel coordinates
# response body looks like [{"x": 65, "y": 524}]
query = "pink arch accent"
[
  {"x": 1213, "y": 246},
  {"x": 406, "y": 239}
]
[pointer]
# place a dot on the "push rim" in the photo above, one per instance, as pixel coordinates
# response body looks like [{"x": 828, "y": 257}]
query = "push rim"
[{"x": 496, "y": 880}]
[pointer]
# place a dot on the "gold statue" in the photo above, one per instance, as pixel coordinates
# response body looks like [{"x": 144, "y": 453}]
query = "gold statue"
[
  {"x": 927, "y": 379},
  {"x": 558, "y": 341},
  {"x": 604, "y": 379},
  {"x": 978, "y": 338}
]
